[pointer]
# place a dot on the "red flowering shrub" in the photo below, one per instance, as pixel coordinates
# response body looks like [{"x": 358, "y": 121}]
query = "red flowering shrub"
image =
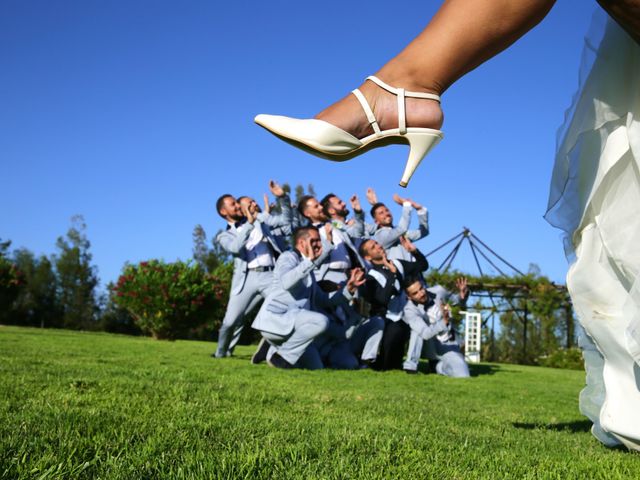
[{"x": 169, "y": 299}]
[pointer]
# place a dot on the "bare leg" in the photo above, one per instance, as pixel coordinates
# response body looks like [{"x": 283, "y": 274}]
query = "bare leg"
[{"x": 462, "y": 35}]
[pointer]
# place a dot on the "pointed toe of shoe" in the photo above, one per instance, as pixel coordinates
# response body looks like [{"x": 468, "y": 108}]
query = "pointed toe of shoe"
[
  {"x": 262, "y": 119},
  {"x": 317, "y": 135}
]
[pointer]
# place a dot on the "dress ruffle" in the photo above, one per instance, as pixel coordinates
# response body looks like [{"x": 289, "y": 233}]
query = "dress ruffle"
[{"x": 595, "y": 200}]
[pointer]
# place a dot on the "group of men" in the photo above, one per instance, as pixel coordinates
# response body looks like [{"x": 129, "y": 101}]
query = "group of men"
[{"x": 337, "y": 292}]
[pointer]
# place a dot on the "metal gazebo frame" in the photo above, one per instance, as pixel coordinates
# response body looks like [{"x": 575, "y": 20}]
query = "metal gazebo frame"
[{"x": 492, "y": 291}]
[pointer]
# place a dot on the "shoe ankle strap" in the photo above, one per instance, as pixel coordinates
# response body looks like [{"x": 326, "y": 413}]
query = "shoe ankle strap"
[
  {"x": 401, "y": 93},
  {"x": 398, "y": 91}
]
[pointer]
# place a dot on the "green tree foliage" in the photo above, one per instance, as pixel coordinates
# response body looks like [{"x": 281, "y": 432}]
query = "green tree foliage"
[
  {"x": 202, "y": 254},
  {"x": 77, "y": 278},
  {"x": 117, "y": 319},
  {"x": 208, "y": 258},
  {"x": 168, "y": 300},
  {"x": 570, "y": 358},
  {"x": 11, "y": 283},
  {"x": 37, "y": 304},
  {"x": 300, "y": 192}
]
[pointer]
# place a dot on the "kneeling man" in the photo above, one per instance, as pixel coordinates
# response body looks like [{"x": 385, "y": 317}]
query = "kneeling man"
[
  {"x": 429, "y": 321},
  {"x": 287, "y": 318}
]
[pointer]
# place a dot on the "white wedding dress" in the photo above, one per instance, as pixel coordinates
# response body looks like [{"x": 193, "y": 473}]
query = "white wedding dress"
[{"x": 595, "y": 200}]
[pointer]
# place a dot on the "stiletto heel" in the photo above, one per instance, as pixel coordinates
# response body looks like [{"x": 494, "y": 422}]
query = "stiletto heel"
[
  {"x": 419, "y": 145},
  {"x": 325, "y": 140}
]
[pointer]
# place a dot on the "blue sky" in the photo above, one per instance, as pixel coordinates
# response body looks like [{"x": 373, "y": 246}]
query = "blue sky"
[{"x": 138, "y": 115}]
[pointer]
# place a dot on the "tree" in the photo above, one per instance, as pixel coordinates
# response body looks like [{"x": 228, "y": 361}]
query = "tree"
[
  {"x": 202, "y": 253},
  {"x": 299, "y": 192},
  {"x": 37, "y": 304},
  {"x": 4, "y": 247},
  {"x": 11, "y": 283},
  {"x": 77, "y": 278}
]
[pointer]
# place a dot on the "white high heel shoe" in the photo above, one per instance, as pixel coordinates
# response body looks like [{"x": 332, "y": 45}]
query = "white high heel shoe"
[{"x": 325, "y": 140}]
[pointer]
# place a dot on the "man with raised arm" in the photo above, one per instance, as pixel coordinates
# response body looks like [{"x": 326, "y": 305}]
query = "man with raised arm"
[
  {"x": 335, "y": 209},
  {"x": 279, "y": 216},
  {"x": 287, "y": 318},
  {"x": 388, "y": 235},
  {"x": 254, "y": 250},
  {"x": 428, "y": 315}
]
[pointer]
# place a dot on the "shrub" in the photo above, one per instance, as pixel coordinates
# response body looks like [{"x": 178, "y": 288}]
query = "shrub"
[
  {"x": 570, "y": 358},
  {"x": 168, "y": 299}
]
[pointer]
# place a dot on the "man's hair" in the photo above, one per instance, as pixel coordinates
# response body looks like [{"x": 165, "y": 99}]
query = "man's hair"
[
  {"x": 362, "y": 250},
  {"x": 375, "y": 207},
  {"x": 410, "y": 280},
  {"x": 302, "y": 233},
  {"x": 302, "y": 204},
  {"x": 220, "y": 203},
  {"x": 326, "y": 203}
]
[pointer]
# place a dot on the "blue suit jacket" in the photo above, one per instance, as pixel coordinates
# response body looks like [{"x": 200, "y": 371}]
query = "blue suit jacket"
[{"x": 294, "y": 288}]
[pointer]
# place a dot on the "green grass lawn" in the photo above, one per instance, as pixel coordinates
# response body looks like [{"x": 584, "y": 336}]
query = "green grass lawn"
[{"x": 92, "y": 405}]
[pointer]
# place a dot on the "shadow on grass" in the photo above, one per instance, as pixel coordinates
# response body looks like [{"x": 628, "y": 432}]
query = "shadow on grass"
[
  {"x": 482, "y": 369},
  {"x": 573, "y": 427},
  {"x": 474, "y": 369}
]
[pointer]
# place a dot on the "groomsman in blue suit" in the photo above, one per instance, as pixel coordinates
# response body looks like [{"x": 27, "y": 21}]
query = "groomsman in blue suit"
[
  {"x": 344, "y": 255},
  {"x": 350, "y": 339},
  {"x": 386, "y": 234},
  {"x": 289, "y": 318},
  {"x": 335, "y": 209},
  {"x": 427, "y": 313},
  {"x": 279, "y": 218},
  {"x": 254, "y": 250}
]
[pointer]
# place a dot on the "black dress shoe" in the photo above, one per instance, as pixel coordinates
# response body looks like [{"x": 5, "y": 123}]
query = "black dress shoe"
[
  {"x": 278, "y": 362},
  {"x": 410, "y": 372},
  {"x": 366, "y": 364},
  {"x": 261, "y": 352}
]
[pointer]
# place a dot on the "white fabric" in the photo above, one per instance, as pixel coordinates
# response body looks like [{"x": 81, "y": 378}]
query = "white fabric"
[
  {"x": 258, "y": 251},
  {"x": 380, "y": 278},
  {"x": 595, "y": 199},
  {"x": 339, "y": 257}
]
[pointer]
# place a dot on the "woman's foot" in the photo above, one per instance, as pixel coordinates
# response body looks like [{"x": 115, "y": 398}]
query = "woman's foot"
[{"x": 348, "y": 115}]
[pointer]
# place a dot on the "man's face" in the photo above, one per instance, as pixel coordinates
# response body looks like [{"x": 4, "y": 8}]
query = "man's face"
[
  {"x": 231, "y": 209},
  {"x": 338, "y": 206},
  {"x": 417, "y": 293},
  {"x": 312, "y": 239},
  {"x": 382, "y": 216},
  {"x": 374, "y": 252},
  {"x": 313, "y": 211},
  {"x": 250, "y": 204},
  {"x": 316, "y": 243}
]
